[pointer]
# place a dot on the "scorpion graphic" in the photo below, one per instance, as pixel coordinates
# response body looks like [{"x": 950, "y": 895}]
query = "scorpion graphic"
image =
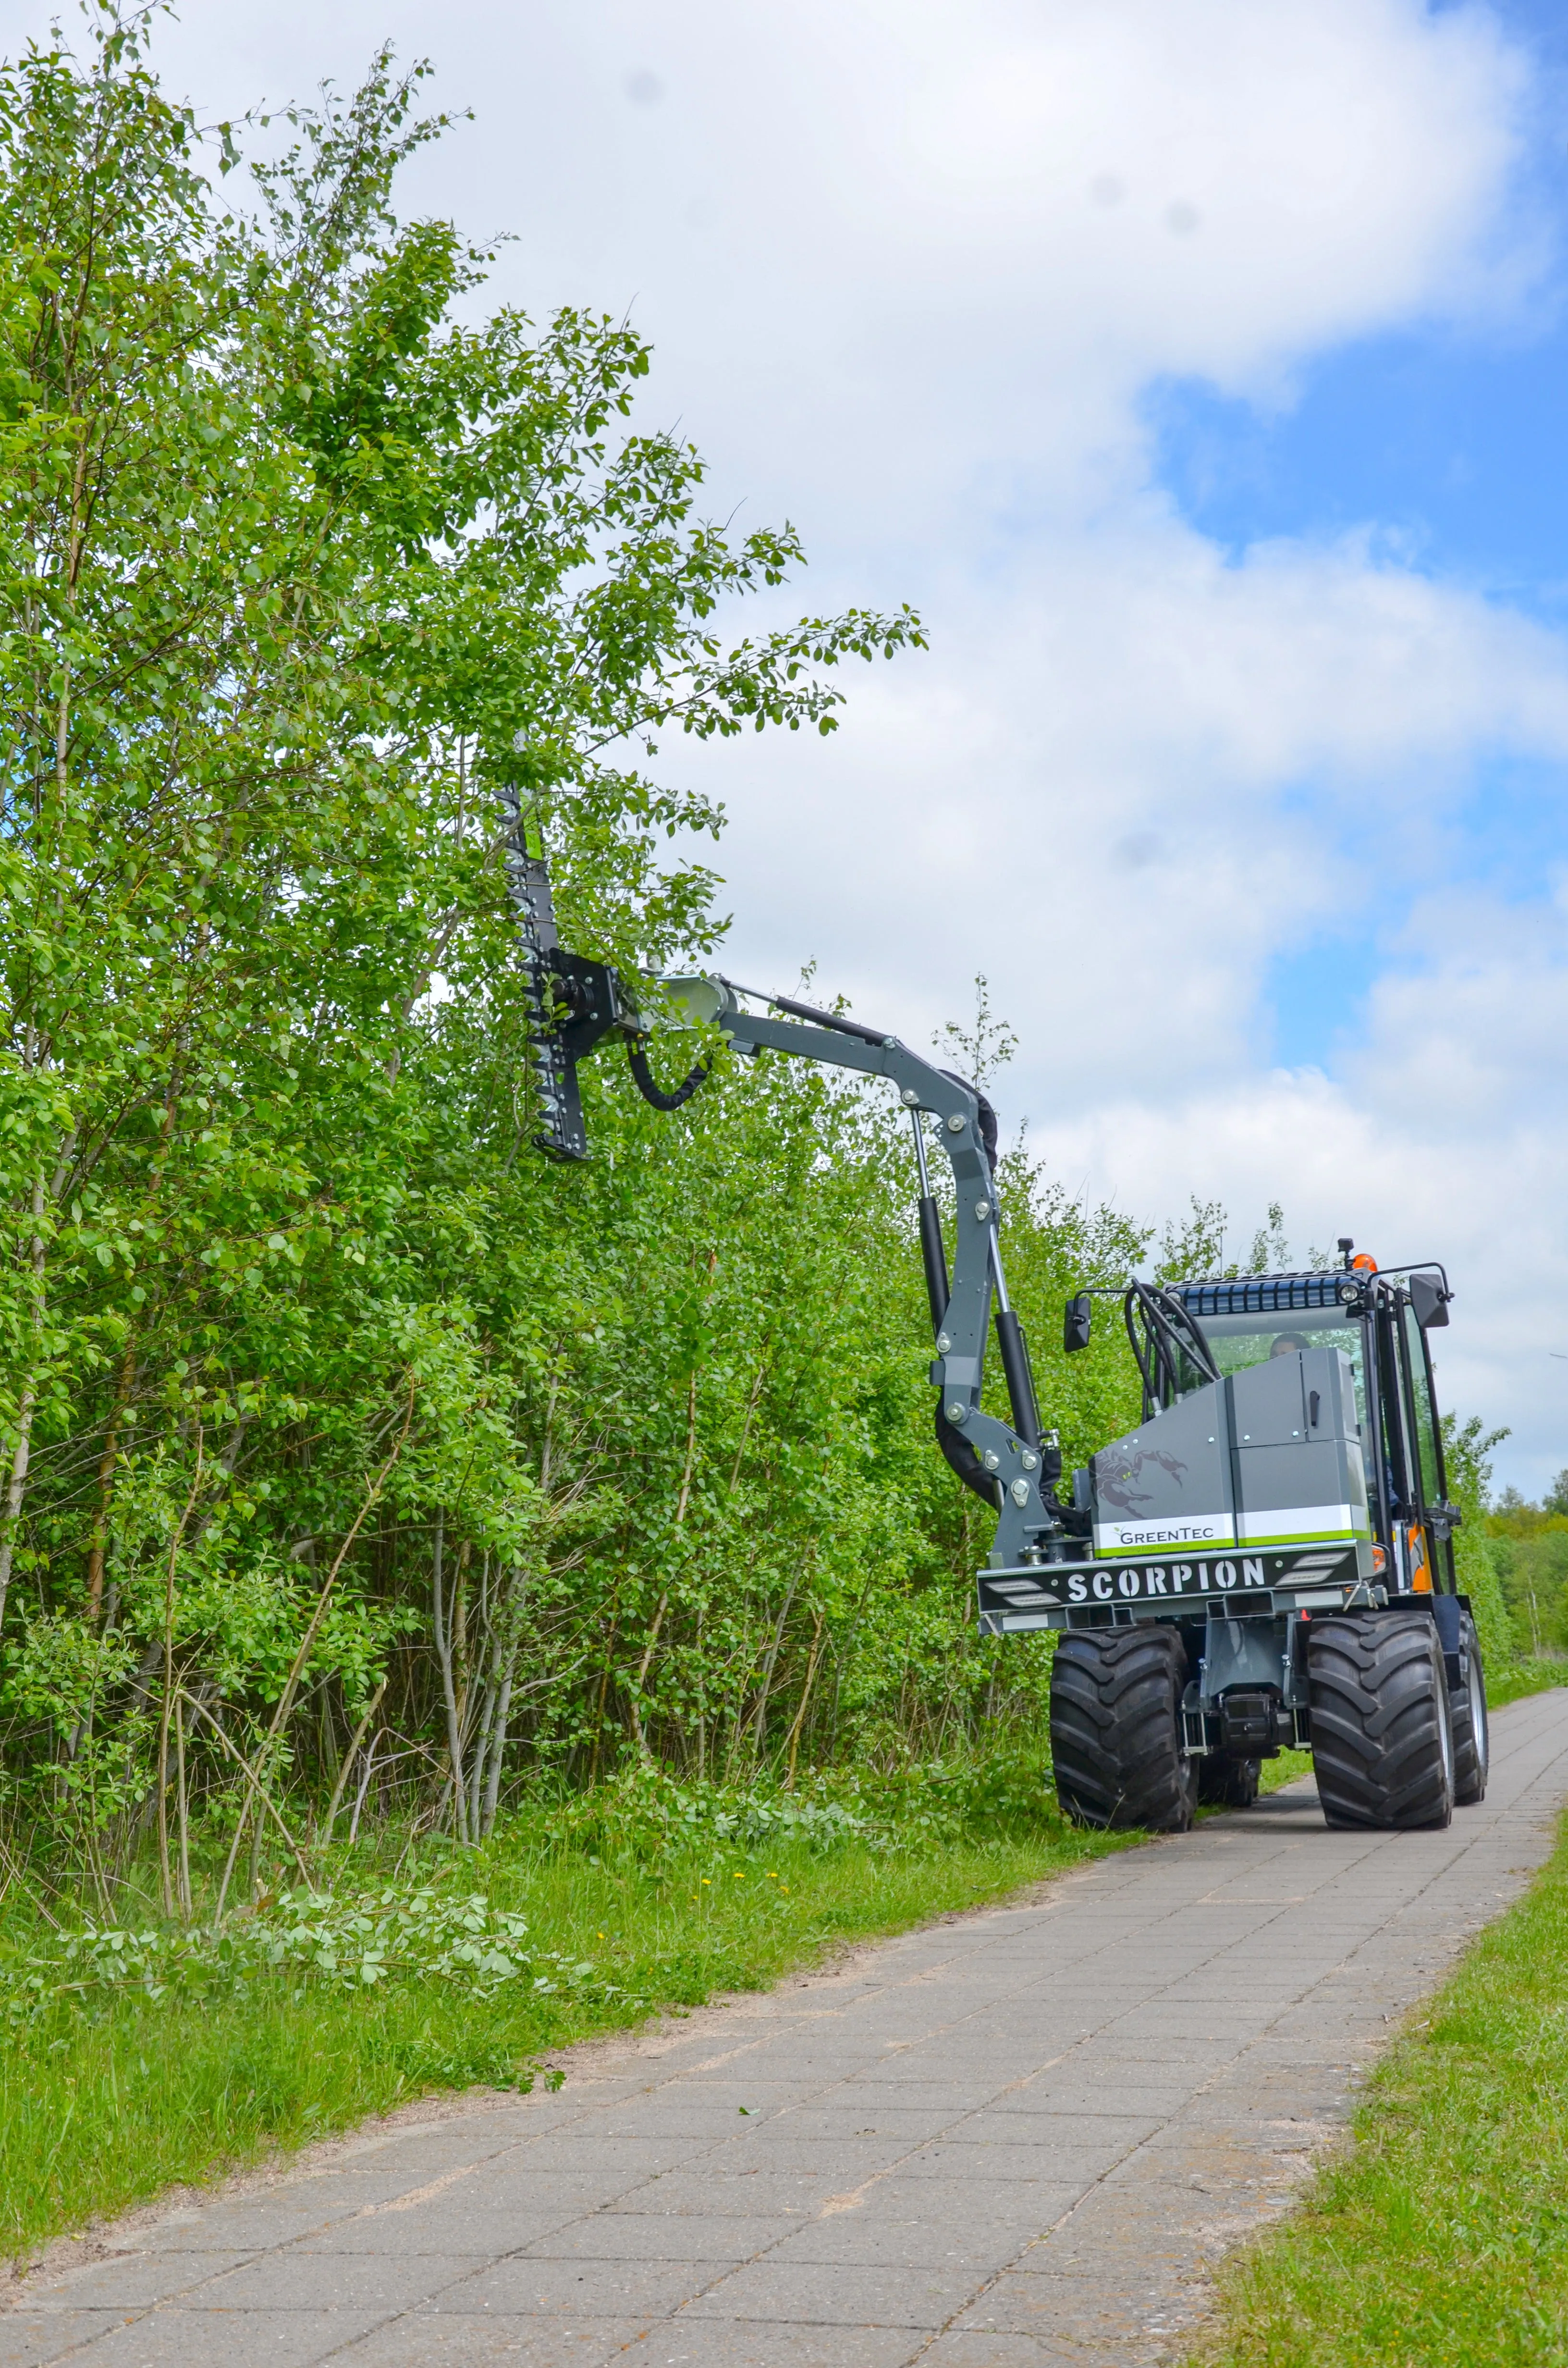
[{"x": 1122, "y": 1493}]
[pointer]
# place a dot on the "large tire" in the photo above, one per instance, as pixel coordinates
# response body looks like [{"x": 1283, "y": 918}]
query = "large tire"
[
  {"x": 1226, "y": 1782},
  {"x": 1116, "y": 1739},
  {"x": 1473, "y": 1742},
  {"x": 1382, "y": 1741}
]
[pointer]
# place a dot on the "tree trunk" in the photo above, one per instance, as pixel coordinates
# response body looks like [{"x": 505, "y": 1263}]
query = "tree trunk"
[
  {"x": 759, "y": 1716},
  {"x": 107, "y": 1460},
  {"x": 442, "y": 1623},
  {"x": 28, "y": 1406},
  {"x": 805, "y": 1697}
]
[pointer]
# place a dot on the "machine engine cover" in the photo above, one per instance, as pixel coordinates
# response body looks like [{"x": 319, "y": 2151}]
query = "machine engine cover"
[{"x": 1268, "y": 1457}]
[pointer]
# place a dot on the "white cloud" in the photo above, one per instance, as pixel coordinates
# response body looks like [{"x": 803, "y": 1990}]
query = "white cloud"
[
  {"x": 1446, "y": 1138},
  {"x": 1140, "y": 775}
]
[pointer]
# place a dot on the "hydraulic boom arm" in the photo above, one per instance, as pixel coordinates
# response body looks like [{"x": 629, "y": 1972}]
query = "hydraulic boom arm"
[
  {"x": 575, "y": 1002},
  {"x": 1009, "y": 1464}
]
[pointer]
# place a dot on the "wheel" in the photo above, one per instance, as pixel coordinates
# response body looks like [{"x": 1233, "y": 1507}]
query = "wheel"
[
  {"x": 1382, "y": 1739},
  {"x": 1225, "y": 1781},
  {"x": 1472, "y": 1741},
  {"x": 1116, "y": 1739}
]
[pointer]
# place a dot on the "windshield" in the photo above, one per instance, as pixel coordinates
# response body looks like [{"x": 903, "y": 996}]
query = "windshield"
[{"x": 1238, "y": 1340}]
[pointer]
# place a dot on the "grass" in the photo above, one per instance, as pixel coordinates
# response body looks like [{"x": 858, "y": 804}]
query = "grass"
[
  {"x": 1284, "y": 1771},
  {"x": 104, "y": 2104},
  {"x": 1524, "y": 1678},
  {"x": 1441, "y": 2240}
]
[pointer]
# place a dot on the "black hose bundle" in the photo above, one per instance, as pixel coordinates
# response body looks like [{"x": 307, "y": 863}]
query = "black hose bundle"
[
  {"x": 1171, "y": 1336},
  {"x": 986, "y": 1114},
  {"x": 964, "y": 1457},
  {"x": 642, "y": 1075}
]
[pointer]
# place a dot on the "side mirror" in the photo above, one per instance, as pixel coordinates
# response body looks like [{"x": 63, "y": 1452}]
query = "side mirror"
[
  {"x": 1429, "y": 1301},
  {"x": 1076, "y": 1328}
]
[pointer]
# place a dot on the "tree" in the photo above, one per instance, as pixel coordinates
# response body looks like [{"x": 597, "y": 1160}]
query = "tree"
[{"x": 301, "y": 576}]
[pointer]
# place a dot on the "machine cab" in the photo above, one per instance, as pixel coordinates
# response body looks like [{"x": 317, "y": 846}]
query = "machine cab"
[{"x": 1381, "y": 1323}]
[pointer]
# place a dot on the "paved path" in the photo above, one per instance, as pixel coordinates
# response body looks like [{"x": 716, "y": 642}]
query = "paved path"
[{"x": 1004, "y": 2142}]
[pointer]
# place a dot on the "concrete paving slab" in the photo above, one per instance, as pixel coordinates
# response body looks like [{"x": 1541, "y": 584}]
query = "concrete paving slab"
[
  {"x": 970, "y": 2348},
  {"x": 292, "y": 2280},
  {"x": 826, "y": 2156},
  {"x": 752, "y": 2195},
  {"x": 596, "y": 2152},
  {"x": 29, "y": 2338},
  {"x": 581, "y": 2289},
  {"x": 173, "y": 2338},
  {"x": 1041, "y": 2125},
  {"x": 456, "y": 2340},
  {"x": 471, "y": 2231},
  {"x": 133, "y": 2282},
  {"x": 664, "y": 2236},
  {"x": 740, "y": 2344},
  {"x": 955, "y": 2164},
  {"x": 1006, "y": 2142},
  {"x": 837, "y": 2295},
  {"x": 281, "y": 2214},
  {"x": 872, "y": 2240},
  {"x": 851, "y": 2114}
]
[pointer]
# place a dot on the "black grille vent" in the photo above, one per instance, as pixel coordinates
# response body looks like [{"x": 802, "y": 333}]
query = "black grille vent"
[{"x": 1261, "y": 1294}]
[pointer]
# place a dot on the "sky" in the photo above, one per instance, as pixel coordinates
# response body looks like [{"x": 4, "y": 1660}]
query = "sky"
[{"x": 1199, "y": 370}]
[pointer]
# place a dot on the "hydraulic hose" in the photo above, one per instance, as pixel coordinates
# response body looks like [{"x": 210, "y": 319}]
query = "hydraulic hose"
[
  {"x": 961, "y": 1455},
  {"x": 1169, "y": 1333},
  {"x": 986, "y": 1114},
  {"x": 654, "y": 1094},
  {"x": 1020, "y": 1378},
  {"x": 934, "y": 1258}
]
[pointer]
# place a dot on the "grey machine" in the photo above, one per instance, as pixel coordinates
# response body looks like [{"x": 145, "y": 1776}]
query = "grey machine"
[{"x": 1265, "y": 1564}]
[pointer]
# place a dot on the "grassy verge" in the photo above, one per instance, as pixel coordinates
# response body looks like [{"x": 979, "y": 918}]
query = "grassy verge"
[
  {"x": 1442, "y": 2240},
  {"x": 1284, "y": 1771},
  {"x": 1524, "y": 1678},
  {"x": 109, "y": 2094}
]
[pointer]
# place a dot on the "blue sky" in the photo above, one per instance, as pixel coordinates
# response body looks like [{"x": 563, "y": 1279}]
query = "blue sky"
[
  {"x": 1450, "y": 441},
  {"x": 1453, "y": 444}
]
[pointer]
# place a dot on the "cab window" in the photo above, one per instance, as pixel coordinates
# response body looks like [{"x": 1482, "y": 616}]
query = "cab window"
[{"x": 1241, "y": 1340}]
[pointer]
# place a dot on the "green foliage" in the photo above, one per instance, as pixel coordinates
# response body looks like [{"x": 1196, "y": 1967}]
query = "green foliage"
[
  {"x": 1526, "y": 1677},
  {"x": 1528, "y": 1547},
  {"x": 356, "y": 1464},
  {"x": 358, "y": 1941},
  {"x": 307, "y": 1363},
  {"x": 1467, "y": 1450}
]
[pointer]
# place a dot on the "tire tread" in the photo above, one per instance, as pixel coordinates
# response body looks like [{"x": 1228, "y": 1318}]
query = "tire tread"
[
  {"x": 1470, "y": 1757},
  {"x": 1115, "y": 1729},
  {"x": 1379, "y": 1696}
]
